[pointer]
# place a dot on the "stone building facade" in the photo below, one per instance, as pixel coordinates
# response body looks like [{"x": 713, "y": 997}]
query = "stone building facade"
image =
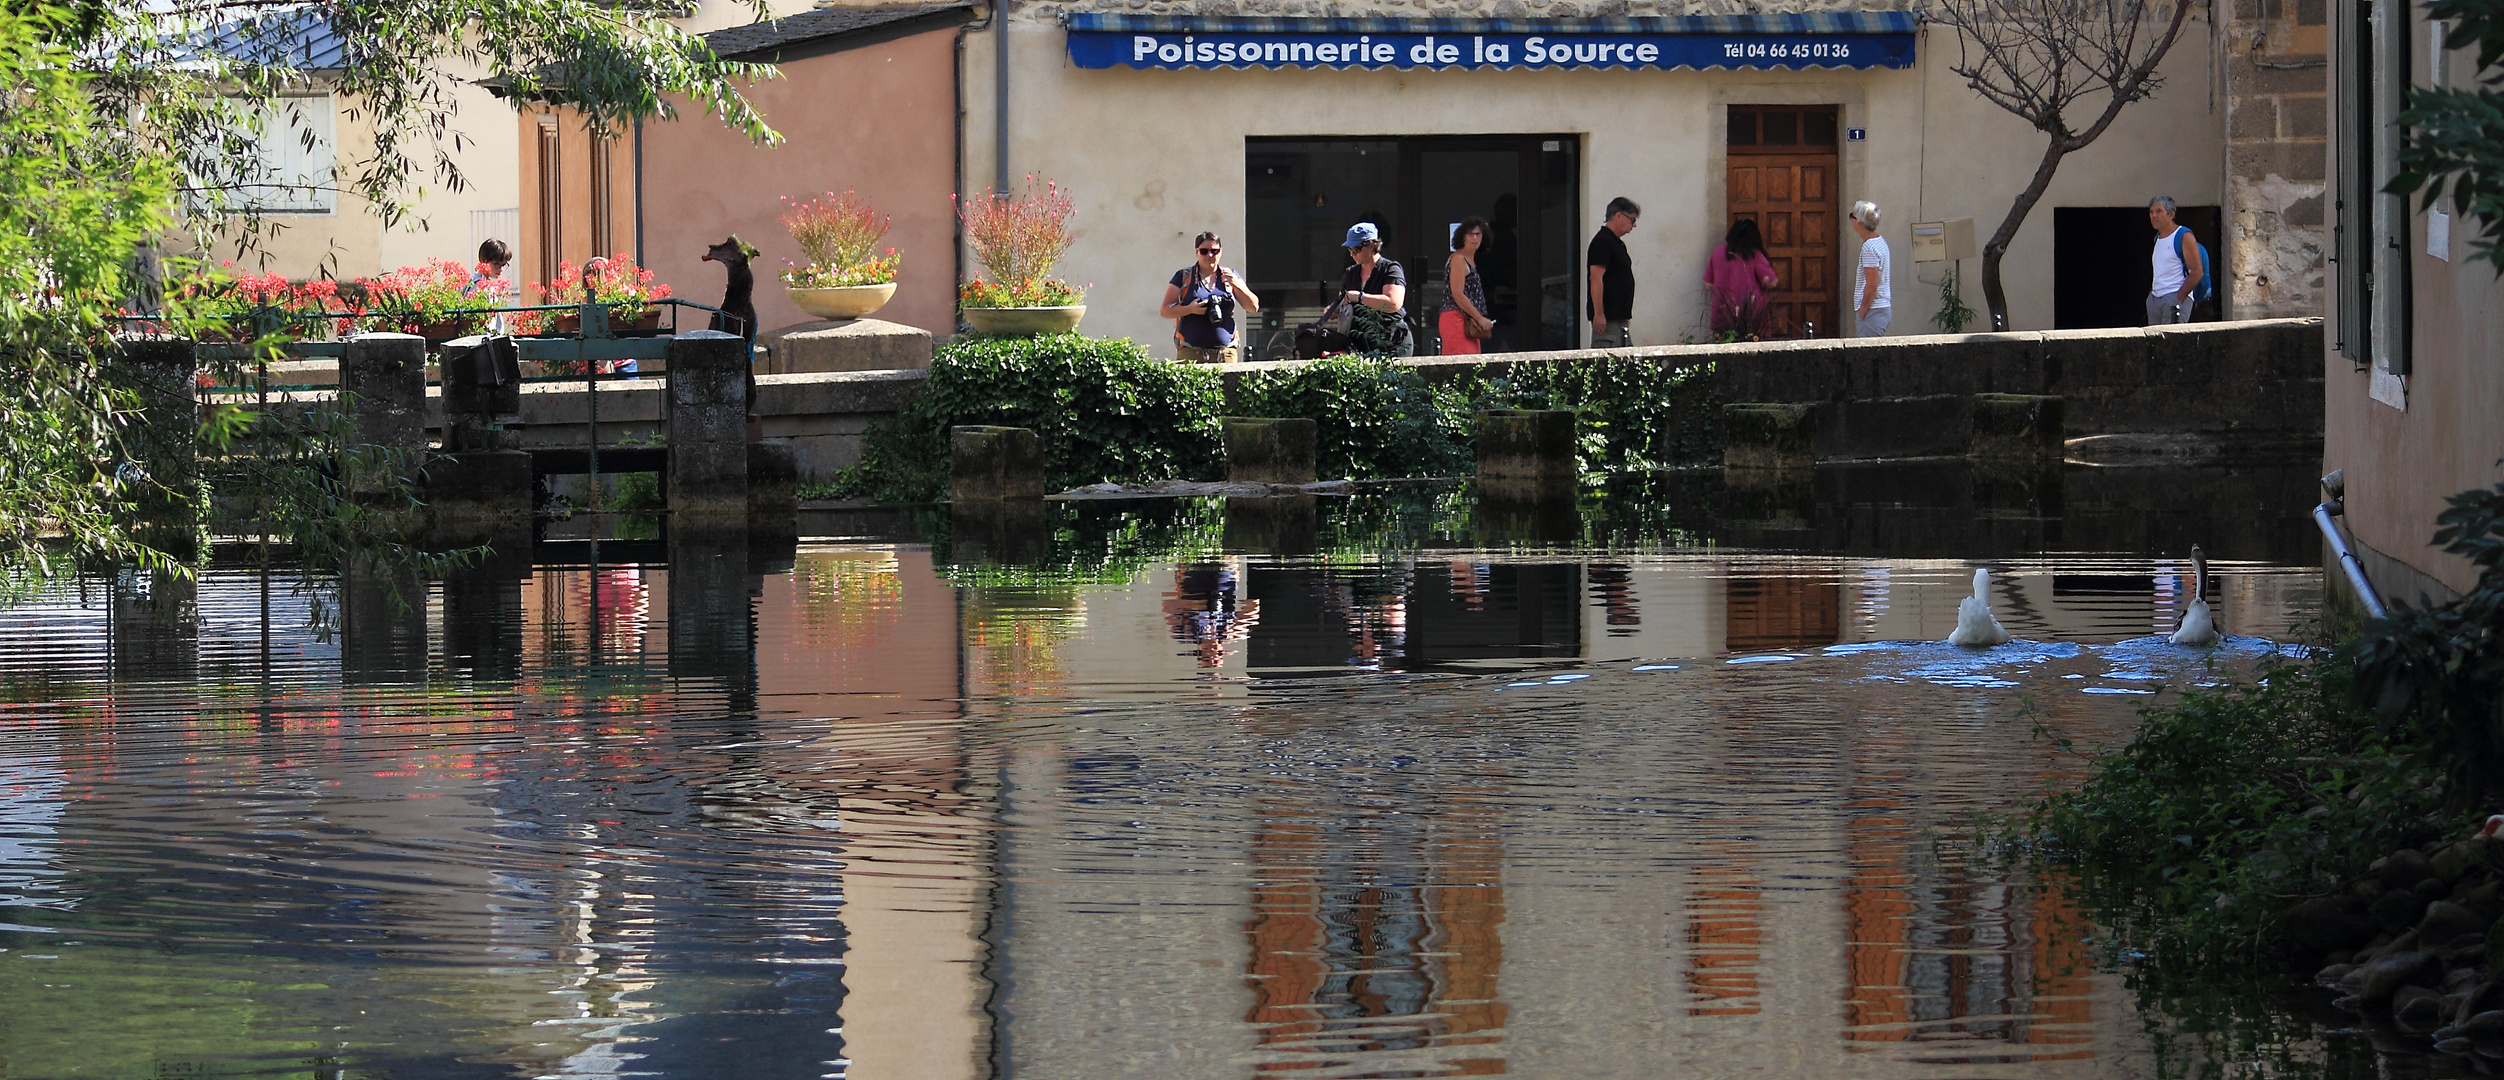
[{"x": 2277, "y": 142}]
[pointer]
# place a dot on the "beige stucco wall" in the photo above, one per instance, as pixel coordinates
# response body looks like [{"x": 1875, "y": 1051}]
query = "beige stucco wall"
[
  {"x": 2445, "y": 430},
  {"x": 874, "y": 119},
  {"x": 1146, "y": 180},
  {"x": 351, "y": 241}
]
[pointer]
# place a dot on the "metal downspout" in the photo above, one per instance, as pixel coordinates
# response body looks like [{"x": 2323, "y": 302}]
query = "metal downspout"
[
  {"x": 1000, "y": 95},
  {"x": 2325, "y": 515}
]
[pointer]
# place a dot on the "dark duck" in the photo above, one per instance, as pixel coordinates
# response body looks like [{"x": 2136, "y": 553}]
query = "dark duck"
[{"x": 738, "y": 314}]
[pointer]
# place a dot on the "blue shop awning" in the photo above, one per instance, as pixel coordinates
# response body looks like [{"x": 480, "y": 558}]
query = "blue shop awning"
[{"x": 1859, "y": 39}]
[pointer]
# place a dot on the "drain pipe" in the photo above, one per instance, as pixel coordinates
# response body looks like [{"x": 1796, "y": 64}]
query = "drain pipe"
[
  {"x": 956, "y": 221},
  {"x": 2324, "y": 515},
  {"x": 1000, "y": 95}
]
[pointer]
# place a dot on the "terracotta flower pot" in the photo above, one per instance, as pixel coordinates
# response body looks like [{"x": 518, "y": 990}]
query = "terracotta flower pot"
[
  {"x": 844, "y": 302},
  {"x": 1025, "y": 321}
]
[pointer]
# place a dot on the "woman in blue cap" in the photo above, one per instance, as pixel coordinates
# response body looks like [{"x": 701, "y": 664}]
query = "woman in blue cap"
[{"x": 1375, "y": 289}]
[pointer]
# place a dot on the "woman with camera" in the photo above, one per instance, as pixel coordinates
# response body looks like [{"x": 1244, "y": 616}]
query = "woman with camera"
[
  {"x": 1202, "y": 300},
  {"x": 1463, "y": 323}
]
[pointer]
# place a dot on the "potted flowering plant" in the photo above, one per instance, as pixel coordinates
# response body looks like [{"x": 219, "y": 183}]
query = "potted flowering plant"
[
  {"x": 846, "y": 277},
  {"x": 626, "y": 289},
  {"x": 1019, "y": 239}
]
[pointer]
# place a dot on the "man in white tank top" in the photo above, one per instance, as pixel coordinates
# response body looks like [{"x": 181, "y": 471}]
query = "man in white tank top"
[{"x": 2175, "y": 276}]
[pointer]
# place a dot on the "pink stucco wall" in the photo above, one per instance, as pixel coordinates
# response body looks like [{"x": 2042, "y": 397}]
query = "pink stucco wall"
[{"x": 876, "y": 119}]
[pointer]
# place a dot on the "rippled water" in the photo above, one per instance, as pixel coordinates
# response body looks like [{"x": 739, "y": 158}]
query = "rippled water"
[{"x": 1643, "y": 805}]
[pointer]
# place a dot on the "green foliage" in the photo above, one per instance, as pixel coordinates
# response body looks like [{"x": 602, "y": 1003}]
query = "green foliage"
[
  {"x": 70, "y": 466},
  {"x": 1104, "y": 410},
  {"x": 1631, "y": 413},
  {"x": 2435, "y": 676},
  {"x": 2455, "y": 141},
  {"x": 1954, "y": 315},
  {"x": 1373, "y": 417},
  {"x": 2233, "y": 802}
]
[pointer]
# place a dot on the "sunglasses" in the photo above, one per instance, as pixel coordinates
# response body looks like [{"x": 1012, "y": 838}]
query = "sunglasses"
[{"x": 1208, "y": 251}]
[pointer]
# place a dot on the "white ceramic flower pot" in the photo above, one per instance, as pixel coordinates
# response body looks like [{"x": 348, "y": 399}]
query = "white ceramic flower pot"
[
  {"x": 846, "y": 302},
  {"x": 1025, "y": 321}
]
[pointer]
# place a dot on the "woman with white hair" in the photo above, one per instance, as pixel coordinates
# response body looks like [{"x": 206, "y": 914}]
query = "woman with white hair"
[{"x": 1873, "y": 293}]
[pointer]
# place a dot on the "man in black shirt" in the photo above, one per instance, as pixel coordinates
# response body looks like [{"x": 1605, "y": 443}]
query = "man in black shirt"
[{"x": 1613, "y": 276}]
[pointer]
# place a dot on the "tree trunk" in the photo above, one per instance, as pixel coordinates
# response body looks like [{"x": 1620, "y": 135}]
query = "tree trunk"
[{"x": 1992, "y": 295}]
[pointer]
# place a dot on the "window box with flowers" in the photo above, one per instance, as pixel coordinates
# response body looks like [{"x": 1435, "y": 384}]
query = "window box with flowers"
[
  {"x": 1019, "y": 239},
  {"x": 627, "y": 290},
  {"x": 846, "y": 276},
  {"x": 439, "y": 300}
]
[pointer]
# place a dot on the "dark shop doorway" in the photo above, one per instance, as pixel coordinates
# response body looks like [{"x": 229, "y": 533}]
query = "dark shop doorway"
[
  {"x": 1301, "y": 194},
  {"x": 2100, "y": 269}
]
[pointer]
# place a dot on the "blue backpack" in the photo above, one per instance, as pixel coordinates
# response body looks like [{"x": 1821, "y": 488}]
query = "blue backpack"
[{"x": 2207, "y": 289}]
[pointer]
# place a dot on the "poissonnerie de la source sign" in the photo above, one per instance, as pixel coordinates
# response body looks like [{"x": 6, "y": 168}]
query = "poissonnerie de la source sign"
[{"x": 1104, "y": 42}]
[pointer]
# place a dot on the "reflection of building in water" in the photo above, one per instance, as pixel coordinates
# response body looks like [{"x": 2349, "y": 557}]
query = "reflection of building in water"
[
  {"x": 1204, "y": 611},
  {"x": 1783, "y": 610},
  {"x": 1725, "y": 908},
  {"x": 1612, "y": 588},
  {"x": 1400, "y": 617},
  {"x": 871, "y": 636},
  {"x": 582, "y": 612},
  {"x": 1958, "y": 960},
  {"x": 1388, "y": 947}
]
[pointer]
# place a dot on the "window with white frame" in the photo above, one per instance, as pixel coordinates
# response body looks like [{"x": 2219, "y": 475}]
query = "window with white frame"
[{"x": 297, "y": 168}]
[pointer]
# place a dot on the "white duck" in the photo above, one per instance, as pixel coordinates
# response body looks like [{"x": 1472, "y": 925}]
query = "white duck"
[
  {"x": 2198, "y": 628},
  {"x": 1974, "y": 625}
]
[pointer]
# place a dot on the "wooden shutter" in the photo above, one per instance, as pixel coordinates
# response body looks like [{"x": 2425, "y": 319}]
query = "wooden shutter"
[{"x": 2352, "y": 199}]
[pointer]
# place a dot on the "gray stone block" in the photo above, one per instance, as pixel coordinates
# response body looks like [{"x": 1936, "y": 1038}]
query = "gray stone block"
[
  {"x": 161, "y": 372},
  {"x": 988, "y": 464},
  {"x": 2017, "y": 427},
  {"x": 844, "y": 345},
  {"x": 1526, "y": 444},
  {"x": 478, "y": 492},
  {"x": 383, "y": 377},
  {"x": 1769, "y": 436},
  {"x": 773, "y": 481},
  {"x": 1284, "y": 525},
  {"x": 1266, "y": 450},
  {"x": 997, "y": 531},
  {"x": 708, "y": 427},
  {"x": 1863, "y": 430}
]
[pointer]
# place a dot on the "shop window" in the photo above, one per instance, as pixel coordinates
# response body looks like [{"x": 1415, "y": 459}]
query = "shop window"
[
  {"x": 1782, "y": 129},
  {"x": 1302, "y": 194}
]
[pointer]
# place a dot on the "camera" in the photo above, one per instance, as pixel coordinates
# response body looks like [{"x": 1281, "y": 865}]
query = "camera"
[{"x": 1220, "y": 308}]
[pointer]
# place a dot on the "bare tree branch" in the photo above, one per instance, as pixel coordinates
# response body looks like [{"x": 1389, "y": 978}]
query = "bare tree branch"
[{"x": 2041, "y": 59}]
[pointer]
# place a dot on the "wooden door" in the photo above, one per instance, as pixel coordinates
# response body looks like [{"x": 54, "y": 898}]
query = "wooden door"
[
  {"x": 1783, "y": 172},
  {"x": 1792, "y": 199}
]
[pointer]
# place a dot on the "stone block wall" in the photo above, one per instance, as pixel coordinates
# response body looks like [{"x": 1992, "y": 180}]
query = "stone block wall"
[{"x": 2277, "y": 142}]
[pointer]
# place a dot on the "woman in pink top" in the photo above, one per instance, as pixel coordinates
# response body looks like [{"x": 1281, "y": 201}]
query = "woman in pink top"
[{"x": 1738, "y": 273}]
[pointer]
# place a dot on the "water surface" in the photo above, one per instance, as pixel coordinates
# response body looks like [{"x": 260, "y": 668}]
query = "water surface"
[{"x": 1398, "y": 786}]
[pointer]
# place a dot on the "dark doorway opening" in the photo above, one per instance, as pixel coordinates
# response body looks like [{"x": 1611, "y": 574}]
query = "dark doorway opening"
[
  {"x": 1301, "y": 194},
  {"x": 2100, "y": 269}
]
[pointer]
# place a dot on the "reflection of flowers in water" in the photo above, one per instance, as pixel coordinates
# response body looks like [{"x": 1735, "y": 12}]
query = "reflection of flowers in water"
[
  {"x": 1203, "y": 609},
  {"x": 846, "y": 591},
  {"x": 1016, "y": 634},
  {"x": 610, "y": 607}
]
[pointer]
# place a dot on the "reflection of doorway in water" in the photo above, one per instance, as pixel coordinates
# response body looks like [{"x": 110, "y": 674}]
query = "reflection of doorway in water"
[{"x": 1782, "y": 612}]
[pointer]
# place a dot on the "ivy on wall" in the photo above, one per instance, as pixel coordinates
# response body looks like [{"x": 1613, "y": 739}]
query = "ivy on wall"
[{"x": 1106, "y": 411}]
